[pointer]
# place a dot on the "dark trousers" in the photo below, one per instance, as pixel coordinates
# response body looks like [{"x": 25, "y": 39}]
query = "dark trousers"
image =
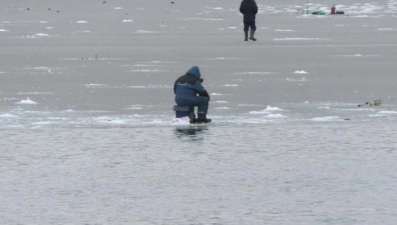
[
  {"x": 248, "y": 25},
  {"x": 199, "y": 101}
]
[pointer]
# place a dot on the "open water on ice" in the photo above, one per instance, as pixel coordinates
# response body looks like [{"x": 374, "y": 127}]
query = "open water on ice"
[{"x": 327, "y": 173}]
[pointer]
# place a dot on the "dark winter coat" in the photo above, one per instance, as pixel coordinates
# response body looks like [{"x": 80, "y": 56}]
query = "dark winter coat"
[
  {"x": 188, "y": 86},
  {"x": 249, "y": 9}
]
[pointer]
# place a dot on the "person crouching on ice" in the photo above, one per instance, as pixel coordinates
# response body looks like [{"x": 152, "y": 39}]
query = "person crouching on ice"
[{"x": 189, "y": 91}]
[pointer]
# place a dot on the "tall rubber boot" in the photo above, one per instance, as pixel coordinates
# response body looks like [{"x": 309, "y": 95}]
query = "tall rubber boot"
[
  {"x": 252, "y": 32},
  {"x": 245, "y": 35}
]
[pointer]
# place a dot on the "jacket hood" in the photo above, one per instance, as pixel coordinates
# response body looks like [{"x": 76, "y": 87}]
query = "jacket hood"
[{"x": 194, "y": 71}]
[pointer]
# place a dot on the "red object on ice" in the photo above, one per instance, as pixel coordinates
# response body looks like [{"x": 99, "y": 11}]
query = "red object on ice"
[{"x": 333, "y": 9}]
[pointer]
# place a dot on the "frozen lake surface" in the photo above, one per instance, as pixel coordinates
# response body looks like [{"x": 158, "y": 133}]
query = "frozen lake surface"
[{"x": 87, "y": 129}]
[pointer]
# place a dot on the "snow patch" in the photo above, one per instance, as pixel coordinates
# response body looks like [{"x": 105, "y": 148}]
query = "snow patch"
[
  {"x": 300, "y": 72},
  {"x": 278, "y": 115},
  {"x": 325, "y": 118},
  {"x": 388, "y": 112},
  {"x": 27, "y": 101},
  {"x": 7, "y": 116},
  {"x": 267, "y": 110},
  {"x": 146, "y": 32}
]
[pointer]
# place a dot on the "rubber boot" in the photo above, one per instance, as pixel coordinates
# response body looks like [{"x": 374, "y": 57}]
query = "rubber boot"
[
  {"x": 202, "y": 118},
  {"x": 252, "y": 32},
  {"x": 245, "y": 35},
  {"x": 206, "y": 120}
]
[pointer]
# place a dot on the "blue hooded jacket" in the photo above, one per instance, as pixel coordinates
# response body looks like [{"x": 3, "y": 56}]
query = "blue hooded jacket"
[
  {"x": 249, "y": 9},
  {"x": 188, "y": 86}
]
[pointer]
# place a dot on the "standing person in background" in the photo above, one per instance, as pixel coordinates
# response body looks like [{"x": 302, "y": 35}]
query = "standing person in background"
[{"x": 249, "y": 9}]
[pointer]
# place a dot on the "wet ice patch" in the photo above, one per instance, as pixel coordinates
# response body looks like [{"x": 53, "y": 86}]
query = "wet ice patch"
[
  {"x": 230, "y": 85},
  {"x": 222, "y": 102},
  {"x": 3, "y": 30},
  {"x": 216, "y": 94},
  {"x": 127, "y": 21},
  {"x": 81, "y": 21}
]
